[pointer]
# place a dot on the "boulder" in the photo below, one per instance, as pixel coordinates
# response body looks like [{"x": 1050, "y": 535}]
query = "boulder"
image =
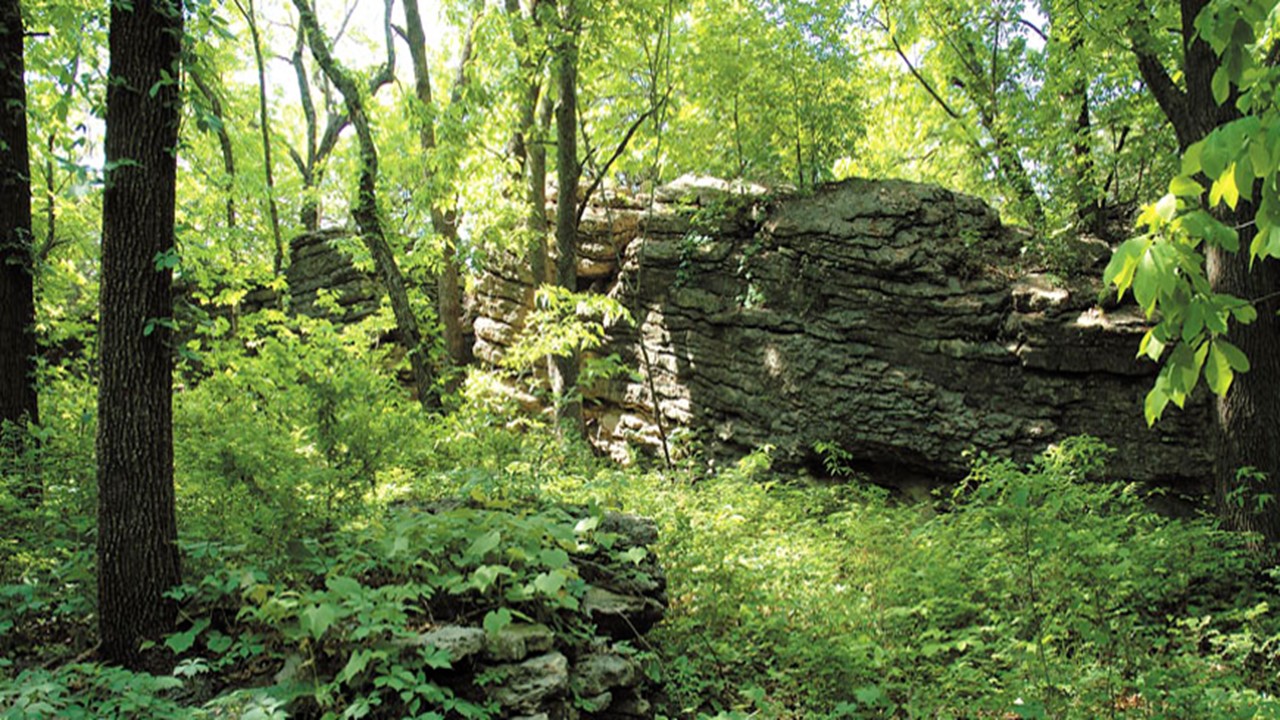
[{"x": 891, "y": 319}]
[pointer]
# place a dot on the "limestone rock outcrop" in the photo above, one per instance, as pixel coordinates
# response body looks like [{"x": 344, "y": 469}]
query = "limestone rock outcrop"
[
  {"x": 892, "y": 319},
  {"x": 317, "y": 268}
]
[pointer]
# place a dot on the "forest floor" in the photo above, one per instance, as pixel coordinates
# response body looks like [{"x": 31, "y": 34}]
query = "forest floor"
[{"x": 1033, "y": 591}]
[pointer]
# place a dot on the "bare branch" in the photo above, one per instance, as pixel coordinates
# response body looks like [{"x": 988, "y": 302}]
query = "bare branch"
[
  {"x": 914, "y": 72},
  {"x": 622, "y": 146}
]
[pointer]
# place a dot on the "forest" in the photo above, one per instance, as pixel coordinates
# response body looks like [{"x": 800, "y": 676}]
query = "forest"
[{"x": 447, "y": 359}]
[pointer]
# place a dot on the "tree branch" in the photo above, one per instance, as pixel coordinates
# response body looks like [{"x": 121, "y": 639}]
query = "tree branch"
[
  {"x": 604, "y": 171},
  {"x": 1171, "y": 99}
]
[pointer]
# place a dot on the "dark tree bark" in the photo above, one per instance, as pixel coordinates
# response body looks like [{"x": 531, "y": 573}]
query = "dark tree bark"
[
  {"x": 365, "y": 209},
  {"x": 564, "y": 375},
  {"x": 1249, "y": 416},
  {"x": 18, "y": 398},
  {"x": 17, "y": 300},
  {"x": 137, "y": 531},
  {"x": 444, "y": 219}
]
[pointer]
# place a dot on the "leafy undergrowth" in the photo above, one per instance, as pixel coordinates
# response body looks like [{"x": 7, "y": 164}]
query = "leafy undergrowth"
[
  {"x": 1031, "y": 592},
  {"x": 321, "y": 531}
]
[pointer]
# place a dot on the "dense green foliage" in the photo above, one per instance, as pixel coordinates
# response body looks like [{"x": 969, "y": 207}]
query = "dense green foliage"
[
  {"x": 1234, "y": 167},
  {"x": 325, "y": 517},
  {"x": 1038, "y": 591}
]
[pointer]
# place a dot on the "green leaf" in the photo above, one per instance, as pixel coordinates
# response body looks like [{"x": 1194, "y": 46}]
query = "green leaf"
[
  {"x": 635, "y": 555},
  {"x": 496, "y": 620},
  {"x": 217, "y": 642},
  {"x": 550, "y": 583},
  {"x": 1153, "y": 407},
  {"x": 1259, "y": 156},
  {"x": 1193, "y": 323},
  {"x": 182, "y": 641},
  {"x": 870, "y": 695},
  {"x": 484, "y": 544},
  {"x": 1146, "y": 283},
  {"x": 1151, "y": 346},
  {"x": 1167, "y": 207},
  {"x": 1123, "y": 263},
  {"x": 554, "y": 558},
  {"x": 344, "y": 586},
  {"x": 485, "y": 576},
  {"x": 1183, "y": 186},
  {"x": 1224, "y": 189},
  {"x": 1244, "y": 175},
  {"x": 1235, "y": 357},
  {"x": 356, "y": 664},
  {"x": 316, "y": 619},
  {"x": 1221, "y": 85},
  {"x": 1217, "y": 371},
  {"x": 1272, "y": 247},
  {"x": 1191, "y": 159},
  {"x": 1215, "y": 155}
]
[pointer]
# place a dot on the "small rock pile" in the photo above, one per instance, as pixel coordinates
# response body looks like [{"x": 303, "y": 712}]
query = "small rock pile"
[{"x": 535, "y": 673}]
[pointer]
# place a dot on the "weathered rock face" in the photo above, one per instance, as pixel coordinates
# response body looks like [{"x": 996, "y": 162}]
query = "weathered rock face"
[
  {"x": 316, "y": 267},
  {"x": 889, "y": 318}
]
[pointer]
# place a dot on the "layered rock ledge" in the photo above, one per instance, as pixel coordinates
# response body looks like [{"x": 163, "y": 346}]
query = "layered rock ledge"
[{"x": 892, "y": 319}]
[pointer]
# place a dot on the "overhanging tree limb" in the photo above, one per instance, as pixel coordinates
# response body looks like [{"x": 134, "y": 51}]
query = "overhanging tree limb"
[
  {"x": 924, "y": 82},
  {"x": 604, "y": 170}
]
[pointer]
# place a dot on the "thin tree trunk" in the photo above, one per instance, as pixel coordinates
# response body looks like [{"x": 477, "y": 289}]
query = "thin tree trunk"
[
  {"x": 528, "y": 141},
  {"x": 564, "y": 377},
  {"x": 365, "y": 209},
  {"x": 18, "y": 401},
  {"x": 50, "y": 203},
  {"x": 137, "y": 531},
  {"x": 443, "y": 219},
  {"x": 312, "y": 166},
  {"x": 224, "y": 142},
  {"x": 264, "y": 122},
  {"x": 539, "y": 257},
  {"x": 310, "y": 213}
]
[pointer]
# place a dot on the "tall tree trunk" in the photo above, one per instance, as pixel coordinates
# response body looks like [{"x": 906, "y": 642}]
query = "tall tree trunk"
[
  {"x": 311, "y": 167},
  {"x": 444, "y": 219},
  {"x": 365, "y": 209},
  {"x": 17, "y": 300},
  {"x": 564, "y": 376},
  {"x": 18, "y": 401},
  {"x": 539, "y": 258},
  {"x": 1249, "y": 416},
  {"x": 310, "y": 212},
  {"x": 137, "y": 531}
]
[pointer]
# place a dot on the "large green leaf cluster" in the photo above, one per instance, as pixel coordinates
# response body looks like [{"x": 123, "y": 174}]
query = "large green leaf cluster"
[{"x": 1234, "y": 167}]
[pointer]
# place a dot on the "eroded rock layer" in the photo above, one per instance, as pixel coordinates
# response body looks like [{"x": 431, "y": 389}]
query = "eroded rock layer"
[{"x": 891, "y": 319}]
